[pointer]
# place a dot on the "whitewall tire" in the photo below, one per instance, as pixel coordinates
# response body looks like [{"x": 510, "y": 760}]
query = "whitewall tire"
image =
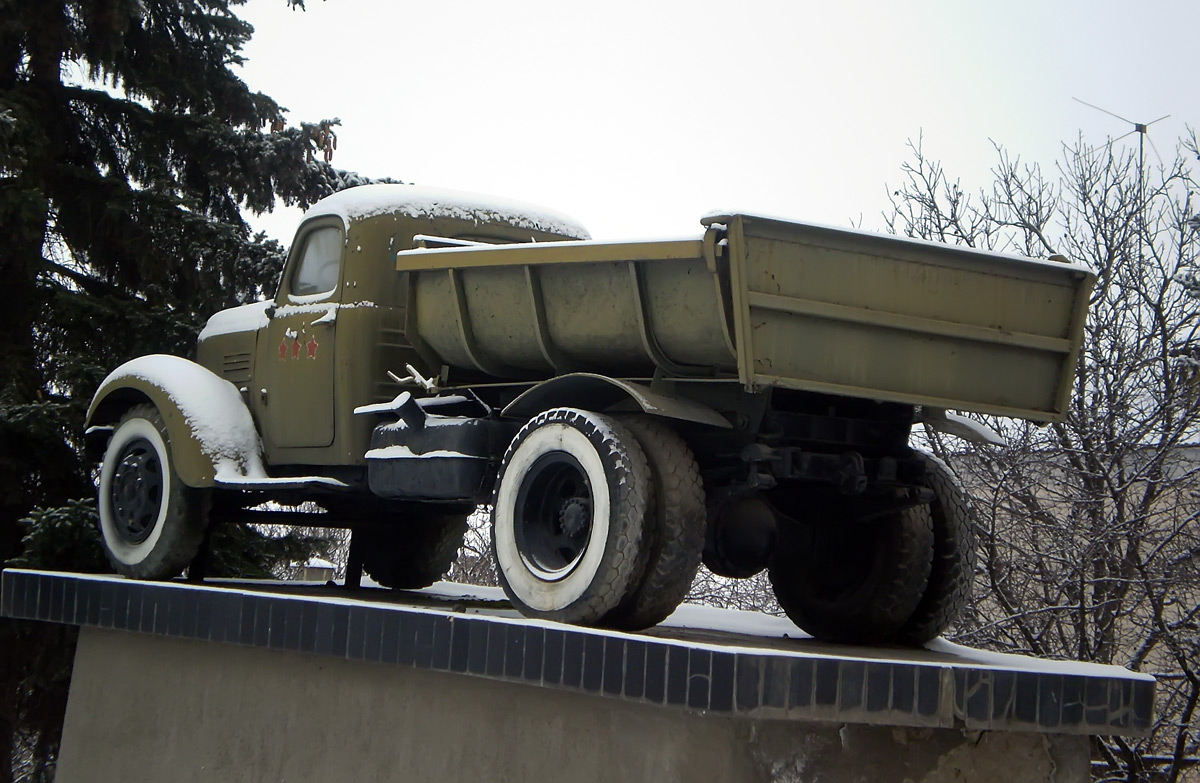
[
  {"x": 152, "y": 524},
  {"x": 568, "y": 516}
]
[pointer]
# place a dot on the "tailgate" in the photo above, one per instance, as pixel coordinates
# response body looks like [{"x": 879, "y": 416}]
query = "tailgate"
[{"x": 876, "y": 316}]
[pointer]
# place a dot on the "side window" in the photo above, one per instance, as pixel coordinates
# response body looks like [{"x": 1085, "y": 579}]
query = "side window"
[{"x": 321, "y": 263}]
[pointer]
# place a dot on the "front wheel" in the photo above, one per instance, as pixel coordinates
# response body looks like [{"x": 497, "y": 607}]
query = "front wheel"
[
  {"x": 151, "y": 522},
  {"x": 568, "y": 514}
]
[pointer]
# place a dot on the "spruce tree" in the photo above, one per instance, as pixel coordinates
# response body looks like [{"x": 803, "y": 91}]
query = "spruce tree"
[{"x": 129, "y": 150}]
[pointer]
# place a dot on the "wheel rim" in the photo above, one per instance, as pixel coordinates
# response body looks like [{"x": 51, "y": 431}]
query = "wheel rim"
[
  {"x": 137, "y": 489},
  {"x": 553, "y": 519}
]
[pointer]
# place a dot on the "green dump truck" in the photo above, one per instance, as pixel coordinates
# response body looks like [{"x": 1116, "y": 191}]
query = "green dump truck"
[{"x": 625, "y": 410}]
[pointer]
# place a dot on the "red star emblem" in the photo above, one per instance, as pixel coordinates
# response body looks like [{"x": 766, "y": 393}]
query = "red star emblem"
[
  {"x": 296, "y": 349},
  {"x": 283, "y": 348},
  {"x": 312, "y": 346}
]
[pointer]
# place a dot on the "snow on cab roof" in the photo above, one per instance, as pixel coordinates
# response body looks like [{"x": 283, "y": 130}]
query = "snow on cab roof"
[{"x": 417, "y": 201}]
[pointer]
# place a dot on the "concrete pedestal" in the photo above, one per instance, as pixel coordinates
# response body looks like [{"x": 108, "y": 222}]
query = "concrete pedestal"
[{"x": 181, "y": 683}]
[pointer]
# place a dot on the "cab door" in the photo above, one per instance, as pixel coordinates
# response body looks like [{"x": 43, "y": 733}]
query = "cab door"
[{"x": 296, "y": 405}]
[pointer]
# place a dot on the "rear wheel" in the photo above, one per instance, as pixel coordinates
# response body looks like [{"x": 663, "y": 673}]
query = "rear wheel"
[
  {"x": 411, "y": 553},
  {"x": 568, "y": 514},
  {"x": 949, "y": 588},
  {"x": 853, "y": 581},
  {"x": 674, "y": 527},
  {"x": 152, "y": 523}
]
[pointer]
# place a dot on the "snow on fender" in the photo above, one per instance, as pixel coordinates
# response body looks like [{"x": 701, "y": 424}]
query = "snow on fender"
[{"x": 212, "y": 435}]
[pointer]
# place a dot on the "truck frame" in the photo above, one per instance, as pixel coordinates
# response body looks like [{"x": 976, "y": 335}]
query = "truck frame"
[{"x": 626, "y": 410}]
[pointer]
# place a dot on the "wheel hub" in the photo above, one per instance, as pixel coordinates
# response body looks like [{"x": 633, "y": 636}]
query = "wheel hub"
[
  {"x": 137, "y": 490},
  {"x": 553, "y": 516},
  {"x": 575, "y": 515}
]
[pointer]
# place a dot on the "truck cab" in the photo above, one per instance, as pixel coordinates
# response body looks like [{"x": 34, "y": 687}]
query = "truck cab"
[{"x": 304, "y": 361}]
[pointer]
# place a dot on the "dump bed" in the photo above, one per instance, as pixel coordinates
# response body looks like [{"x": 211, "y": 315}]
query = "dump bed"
[{"x": 767, "y": 303}]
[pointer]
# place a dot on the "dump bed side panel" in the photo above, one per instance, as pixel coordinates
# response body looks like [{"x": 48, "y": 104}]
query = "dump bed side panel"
[
  {"x": 874, "y": 316},
  {"x": 534, "y": 311}
]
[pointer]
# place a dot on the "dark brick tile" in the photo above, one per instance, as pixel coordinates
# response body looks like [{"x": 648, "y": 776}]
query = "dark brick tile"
[
  {"x": 802, "y": 676},
  {"x": 1004, "y": 694},
  {"x": 572, "y": 674},
  {"x": 108, "y": 600},
  {"x": 423, "y": 638},
  {"x": 656, "y": 672},
  {"x": 192, "y": 599},
  {"x": 904, "y": 689},
  {"x": 340, "y": 644},
  {"x": 722, "y": 682},
  {"x": 260, "y": 609},
  {"x": 373, "y": 636},
  {"x": 8, "y": 594},
  {"x": 406, "y": 643},
  {"x": 54, "y": 608},
  {"x": 979, "y": 696},
  {"x": 514, "y": 651},
  {"x": 635, "y": 669},
  {"x": 1050, "y": 700},
  {"x": 929, "y": 691},
  {"x": 1072, "y": 701},
  {"x": 1026, "y": 700},
  {"x": 132, "y": 601},
  {"x": 613, "y": 681},
  {"x": 852, "y": 682},
  {"x": 1143, "y": 704},
  {"x": 45, "y": 596},
  {"x": 460, "y": 643},
  {"x": 699, "y": 691},
  {"x": 535, "y": 645},
  {"x": 323, "y": 637},
  {"x": 1096, "y": 702},
  {"x": 552, "y": 655},
  {"x": 176, "y": 613},
  {"x": 307, "y": 621},
  {"x": 477, "y": 647},
  {"x": 389, "y": 639},
  {"x": 677, "y": 675},
  {"x": 961, "y": 690},
  {"x": 827, "y": 683},
  {"x": 878, "y": 695},
  {"x": 356, "y": 633},
  {"x": 497, "y": 640},
  {"x": 276, "y": 624},
  {"x": 441, "y": 644},
  {"x": 749, "y": 679},
  {"x": 776, "y": 682},
  {"x": 227, "y": 618},
  {"x": 593, "y": 663},
  {"x": 204, "y": 616},
  {"x": 92, "y": 612}
]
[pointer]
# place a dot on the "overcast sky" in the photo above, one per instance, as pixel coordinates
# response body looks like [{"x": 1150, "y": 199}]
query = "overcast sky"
[{"x": 638, "y": 117}]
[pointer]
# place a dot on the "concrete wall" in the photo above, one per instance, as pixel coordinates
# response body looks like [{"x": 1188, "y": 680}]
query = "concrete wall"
[{"x": 150, "y": 708}]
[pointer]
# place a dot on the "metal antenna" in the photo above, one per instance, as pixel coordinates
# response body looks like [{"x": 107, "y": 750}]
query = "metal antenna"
[{"x": 1139, "y": 128}]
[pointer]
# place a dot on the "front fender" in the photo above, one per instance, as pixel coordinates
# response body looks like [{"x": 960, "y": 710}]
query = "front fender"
[
  {"x": 211, "y": 431},
  {"x": 598, "y": 392}
]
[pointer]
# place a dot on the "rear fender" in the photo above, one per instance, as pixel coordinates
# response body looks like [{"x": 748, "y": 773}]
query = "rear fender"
[
  {"x": 212, "y": 434},
  {"x": 599, "y": 392}
]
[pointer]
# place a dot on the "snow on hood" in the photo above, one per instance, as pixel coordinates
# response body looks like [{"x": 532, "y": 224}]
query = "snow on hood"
[
  {"x": 417, "y": 201},
  {"x": 244, "y": 318}
]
